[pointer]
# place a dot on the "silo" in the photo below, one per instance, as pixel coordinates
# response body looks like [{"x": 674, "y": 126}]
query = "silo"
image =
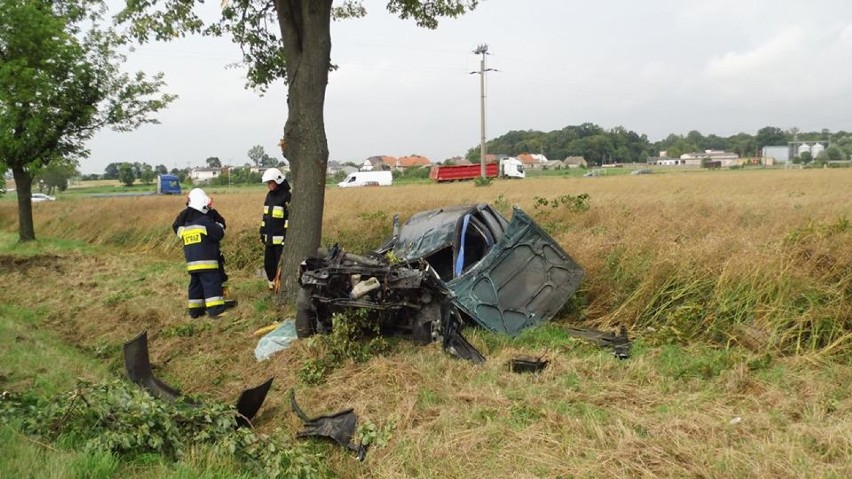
[
  {"x": 817, "y": 149},
  {"x": 803, "y": 148}
]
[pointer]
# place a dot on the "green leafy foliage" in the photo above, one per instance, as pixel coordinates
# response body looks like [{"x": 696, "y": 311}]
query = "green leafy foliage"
[
  {"x": 482, "y": 181},
  {"x": 569, "y": 202},
  {"x": 426, "y": 13},
  {"x": 372, "y": 435},
  {"x": 354, "y": 337},
  {"x": 122, "y": 419},
  {"x": 501, "y": 204},
  {"x": 62, "y": 81},
  {"x": 56, "y": 174}
]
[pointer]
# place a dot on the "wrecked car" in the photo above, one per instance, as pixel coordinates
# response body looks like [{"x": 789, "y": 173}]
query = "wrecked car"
[{"x": 444, "y": 267}]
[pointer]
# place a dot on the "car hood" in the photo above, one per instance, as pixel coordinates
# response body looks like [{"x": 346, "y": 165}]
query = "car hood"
[{"x": 523, "y": 280}]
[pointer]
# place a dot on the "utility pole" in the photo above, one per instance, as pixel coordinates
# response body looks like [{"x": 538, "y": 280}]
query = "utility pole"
[{"x": 482, "y": 50}]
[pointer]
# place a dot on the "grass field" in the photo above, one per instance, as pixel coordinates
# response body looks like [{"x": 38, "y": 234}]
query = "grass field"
[{"x": 737, "y": 286}]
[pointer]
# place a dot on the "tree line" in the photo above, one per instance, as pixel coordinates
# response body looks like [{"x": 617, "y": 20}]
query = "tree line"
[
  {"x": 618, "y": 145},
  {"x": 128, "y": 173}
]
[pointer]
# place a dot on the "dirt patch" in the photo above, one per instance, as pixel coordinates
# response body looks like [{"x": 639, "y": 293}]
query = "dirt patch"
[{"x": 25, "y": 264}]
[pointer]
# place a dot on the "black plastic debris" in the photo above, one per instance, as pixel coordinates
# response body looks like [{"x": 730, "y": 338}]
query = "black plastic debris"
[
  {"x": 458, "y": 345},
  {"x": 250, "y": 401},
  {"x": 138, "y": 365},
  {"x": 339, "y": 427},
  {"x": 527, "y": 364},
  {"x": 619, "y": 343}
]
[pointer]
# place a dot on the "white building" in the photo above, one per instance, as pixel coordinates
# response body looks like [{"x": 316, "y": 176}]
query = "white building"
[
  {"x": 724, "y": 158},
  {"x": 200, "y": 175},
  {"x": 776, "y": 155}
]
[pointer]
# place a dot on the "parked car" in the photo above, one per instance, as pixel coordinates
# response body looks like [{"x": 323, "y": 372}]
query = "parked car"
[
  {"x": 441, "y": 269},
  {"x": 38, "y": 197}
]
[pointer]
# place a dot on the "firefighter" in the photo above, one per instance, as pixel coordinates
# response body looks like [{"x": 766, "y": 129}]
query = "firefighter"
[
  {"x": 273, "y": 226},
  {"x": 220, "y": 220},
  {"x": 201, "y": 235}
]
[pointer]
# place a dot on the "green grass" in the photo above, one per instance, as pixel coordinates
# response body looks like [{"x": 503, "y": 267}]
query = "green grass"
[
  {"x": 23, "y": 457},
  {"x": 33, "y": 357},
  {"x": 9, "y": 244}
]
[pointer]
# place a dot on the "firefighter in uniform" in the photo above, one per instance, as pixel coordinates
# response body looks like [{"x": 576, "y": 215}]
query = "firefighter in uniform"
[
  {"x": 201, "y": 235},
  {"x": 217, "y": 218},
  {"x": 273, "y": 226}
]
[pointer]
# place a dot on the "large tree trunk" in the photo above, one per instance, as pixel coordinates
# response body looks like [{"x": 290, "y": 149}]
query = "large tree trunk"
[
  {"x": 24, "y": 188},
  {"x": 305, "y": 27}
]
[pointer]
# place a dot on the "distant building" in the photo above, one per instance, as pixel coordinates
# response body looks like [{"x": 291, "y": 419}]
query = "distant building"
[
  {"x": 532, "y": 160},
  {"x": 553, "y": 165},
  {"x": 575, "y": 162},
  {"x": 778, "y": 154},
  {"x": 696, "y": 159},
  {"x": 412, "y": 161},
  {"x": 378, "y": 163},
  {"x": 201, "y": 176},
  {"x": 797, "y": 148}
]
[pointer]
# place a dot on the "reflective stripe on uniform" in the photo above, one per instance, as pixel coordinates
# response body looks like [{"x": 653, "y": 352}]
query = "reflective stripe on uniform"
[
  {"x": 196, "y": 303},
  {"x": 202, "y": 265},
  {"x": 286, "y": 223},
  {"x": 214, "y": 301},
  {"x": 277, "y": 211},
  {"x": 262, "y": 223},
  {"x": 192, "y": 229},
  {"x": 265, "y": 209},
  {"x": 277, "y": 240}
]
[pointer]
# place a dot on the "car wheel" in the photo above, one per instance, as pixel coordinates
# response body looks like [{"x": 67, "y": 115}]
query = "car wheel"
[{"x": 306, "y": 314}]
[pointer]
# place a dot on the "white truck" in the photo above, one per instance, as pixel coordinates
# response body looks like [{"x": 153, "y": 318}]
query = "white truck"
[
  {"x": 511, "y": 167},
  {"x": 367, "y": 178}
]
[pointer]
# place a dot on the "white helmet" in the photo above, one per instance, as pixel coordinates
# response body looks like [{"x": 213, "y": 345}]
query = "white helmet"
[
  {"x": 273, "y": 174},
  {"x": 198, "y": 200}
]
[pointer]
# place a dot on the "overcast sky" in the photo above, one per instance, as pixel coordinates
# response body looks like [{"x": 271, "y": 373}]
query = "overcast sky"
[{"x": 652, "y": 66}]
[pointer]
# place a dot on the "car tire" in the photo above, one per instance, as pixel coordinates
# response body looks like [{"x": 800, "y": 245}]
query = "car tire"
[{"x": 306, "y": 314}]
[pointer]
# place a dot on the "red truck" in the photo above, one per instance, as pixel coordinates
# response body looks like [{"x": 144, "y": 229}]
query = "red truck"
[{"x": 507, "y": 168}]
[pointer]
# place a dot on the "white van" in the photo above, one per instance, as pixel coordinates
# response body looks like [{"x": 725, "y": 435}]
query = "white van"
[
  {"x": 511, "y": 167},
  {"x": 367, "y": 178}
]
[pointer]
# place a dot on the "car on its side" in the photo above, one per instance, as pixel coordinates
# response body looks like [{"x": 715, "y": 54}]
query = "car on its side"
[
  {"x": 443, "y": 268},
  {"x": 39, "y": 197}
]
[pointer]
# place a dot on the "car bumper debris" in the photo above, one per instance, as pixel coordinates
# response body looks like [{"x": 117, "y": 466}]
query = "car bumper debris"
[{"x": 138, "y": 365}]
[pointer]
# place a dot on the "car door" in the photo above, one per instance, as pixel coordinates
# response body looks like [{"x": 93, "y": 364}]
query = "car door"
[{"x": 523, "y": 280}]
